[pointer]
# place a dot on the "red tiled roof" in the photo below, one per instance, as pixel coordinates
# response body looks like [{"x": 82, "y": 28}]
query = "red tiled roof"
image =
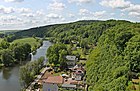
[{"x": 55, "y": 79}]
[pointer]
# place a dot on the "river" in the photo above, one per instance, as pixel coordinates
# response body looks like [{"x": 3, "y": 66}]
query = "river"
[{"x": 9, "y": 77}]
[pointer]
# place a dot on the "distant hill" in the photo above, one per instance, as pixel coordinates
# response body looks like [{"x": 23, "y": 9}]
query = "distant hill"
[{"x": 42, "y": 31}]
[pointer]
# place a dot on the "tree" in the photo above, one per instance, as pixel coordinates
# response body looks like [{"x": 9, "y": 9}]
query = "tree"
[
  {"x": 4, "y": 44},
  {"x": 7, "y": 58},
  {"x": 56, "y": 54}
]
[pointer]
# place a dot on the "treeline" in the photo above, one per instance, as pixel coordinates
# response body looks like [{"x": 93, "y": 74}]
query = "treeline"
[
  {"x": 13, "y": 53},
  {"x": 29, "y": 71},
  {"x": 115, "y": 60},
  {"x": 87, "y": 32}
]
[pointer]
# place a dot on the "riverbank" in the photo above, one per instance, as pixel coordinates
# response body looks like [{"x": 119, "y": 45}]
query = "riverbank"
[{"x": 10, "y": 75}]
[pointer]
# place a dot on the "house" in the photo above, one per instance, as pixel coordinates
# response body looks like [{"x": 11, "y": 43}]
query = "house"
[
  {"x": 78, "y": 73},
  {"x": 50, "y": 87},
  {"x": 71, "y": 60},
  {"x": 52, "y": 82},
  {"x": 69, "y": 86}
]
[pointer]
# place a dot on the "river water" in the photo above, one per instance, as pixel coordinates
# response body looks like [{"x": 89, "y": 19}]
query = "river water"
[{"x": 9, "y": 77}]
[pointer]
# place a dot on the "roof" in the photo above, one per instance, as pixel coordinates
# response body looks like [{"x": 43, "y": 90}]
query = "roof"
[
  {"x": 68, "y": 86},
  {"x": 55, "y": 79},
  {"x": 72, "y": 58},
  {"x": 136, "y": 80}
]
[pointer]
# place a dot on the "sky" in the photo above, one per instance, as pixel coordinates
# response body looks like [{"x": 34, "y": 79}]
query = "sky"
[{"x": 24, "y": 14}]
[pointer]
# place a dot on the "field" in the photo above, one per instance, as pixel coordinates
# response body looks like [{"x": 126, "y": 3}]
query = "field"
[{"x": 32, "y": 41}]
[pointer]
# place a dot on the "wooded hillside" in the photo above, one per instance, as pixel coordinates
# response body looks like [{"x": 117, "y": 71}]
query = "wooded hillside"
[{"x": 115, "y": 45}]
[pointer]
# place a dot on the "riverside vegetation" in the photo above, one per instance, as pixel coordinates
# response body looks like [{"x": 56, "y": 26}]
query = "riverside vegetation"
[
  {"x": 15, "y": 51},
  {"x": 113, "y": 47}
]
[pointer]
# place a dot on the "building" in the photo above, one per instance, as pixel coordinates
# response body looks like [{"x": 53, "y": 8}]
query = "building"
[
  {"x": 52, "y": 82},
  {"x": 78, "y": 73},
  {"x": 69, "y": 86},
  {"x": 71, "y": 60}
]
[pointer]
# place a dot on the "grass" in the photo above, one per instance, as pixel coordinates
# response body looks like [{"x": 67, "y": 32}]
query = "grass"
[{"x": 32, "y": 41}]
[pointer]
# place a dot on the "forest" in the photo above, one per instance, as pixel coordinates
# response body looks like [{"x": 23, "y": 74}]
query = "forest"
[{"x": 114, "y": 45}]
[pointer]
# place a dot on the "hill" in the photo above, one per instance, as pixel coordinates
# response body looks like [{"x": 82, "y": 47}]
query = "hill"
[{"x": 115, "y": 46}]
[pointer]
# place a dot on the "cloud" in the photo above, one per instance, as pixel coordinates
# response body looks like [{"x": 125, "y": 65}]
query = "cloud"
[
  {"x": 88, "y": 15},
  {"x": 80, "y": 1},
  {"x": 56, "y": 6},
  {"x": 6, "y": 10},
  {"x": 99, "y": 14},
  {"x": 134, "y": 14},
  {"x": 120, "y": 4},
  {"x": 84, "y": 12},
  {"x": 71, "y": 15},
  {"x": 24, "y": 10},
  {"x": 13, "y": 0},
  {"x": 40, "y": 12},
  {"x": 10, "y": 20},
  {"x": 54, "y": 16},
  {"x": 133, "y": 8},
  {"x": 28, "y": 15}
]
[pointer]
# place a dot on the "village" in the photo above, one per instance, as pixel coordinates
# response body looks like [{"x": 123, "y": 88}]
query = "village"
[{"x": 73, "y": 79}]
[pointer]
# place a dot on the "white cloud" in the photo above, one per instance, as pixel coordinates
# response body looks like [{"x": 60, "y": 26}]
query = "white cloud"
[
  {"x": 134, "y": 14},
  {"x": 99, "y": 14},
  {"x": 28, "y": 15},
  {"x": 88, "y": 15},
  {"x": 126, "y": 6},
  {"x": 40, "y": 12},
  {"x": 24, "y": 10},
  {"x": 112, "y": 14},
  {"x": 80, "y": 1},
  {"x": 133, "y": 8},
  {"x": 6, "y": 10},
  {"x": 71, "y": 15},
  {"x": 122, "y": 14},
  {"x": 56, "y": 6},
  {"x": 84, "y": 12},
  {"x": 10, "y": 20},
  {"x": 13, "y": 0},
  {"x": 54, "y": 16},
  {"x": 121, "y": 4}
]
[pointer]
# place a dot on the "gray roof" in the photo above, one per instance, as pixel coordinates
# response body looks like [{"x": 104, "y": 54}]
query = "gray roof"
[
  {"x": 68, "y": 86},
  {"x": 71, "y": 57}
]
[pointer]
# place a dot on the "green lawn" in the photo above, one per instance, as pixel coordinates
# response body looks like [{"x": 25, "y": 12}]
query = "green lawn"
[{"x": 33, "y": 42}]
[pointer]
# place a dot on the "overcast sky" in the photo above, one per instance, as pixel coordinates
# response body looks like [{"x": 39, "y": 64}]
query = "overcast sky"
[{"x": 23, "y": 14}]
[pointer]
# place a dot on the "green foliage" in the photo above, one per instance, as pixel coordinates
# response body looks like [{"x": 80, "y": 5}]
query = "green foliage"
[
  {"x": 27, "y": 72},
  {"x": 34, "y": 42},
  {"x": 56, "y": 55},
  {"x": 4, "y": 44},
  {"x": 15, "y": 53},
  {"x": 117, "y": 54},
  {"x": 7, "y": 57}
]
